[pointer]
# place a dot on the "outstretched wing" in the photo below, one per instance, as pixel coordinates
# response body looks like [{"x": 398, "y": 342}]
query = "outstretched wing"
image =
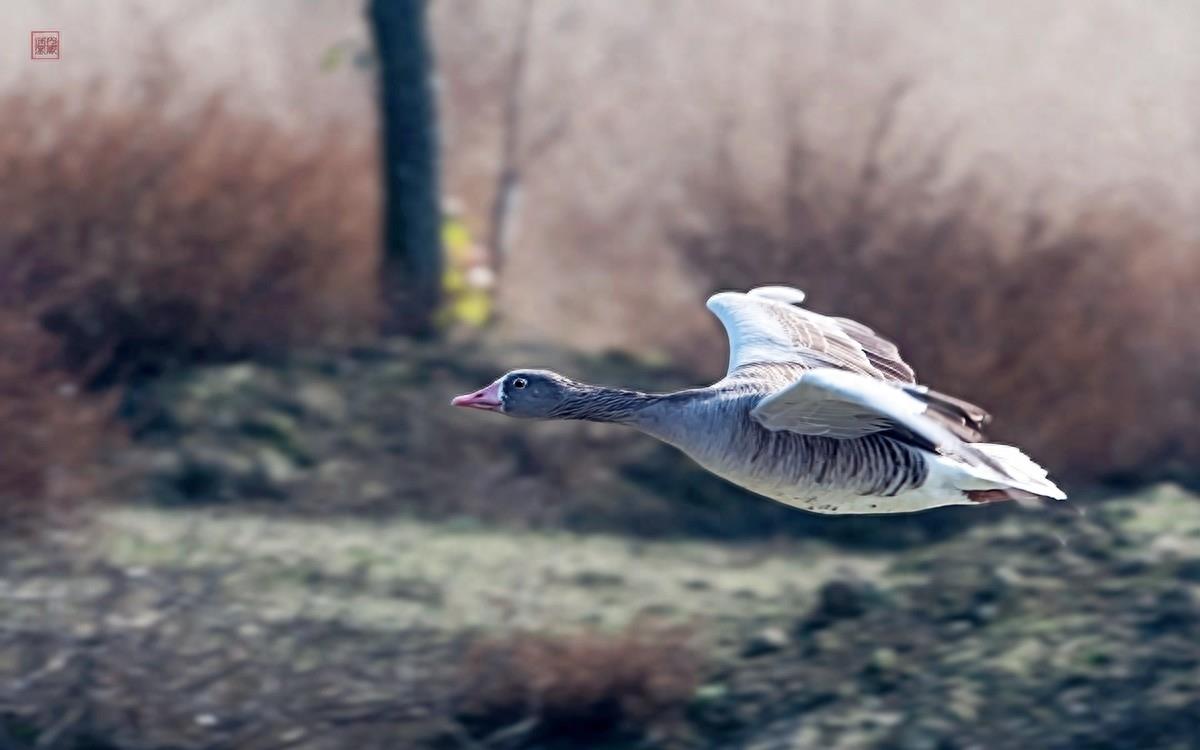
[
  {"x": 845, "y": 405},
  {"x": 773, "y": 341},
  {"x": 767, "y": 326}
]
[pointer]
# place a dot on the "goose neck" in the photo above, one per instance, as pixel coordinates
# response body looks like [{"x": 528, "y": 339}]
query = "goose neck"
[{"x": 595, "y": 403}]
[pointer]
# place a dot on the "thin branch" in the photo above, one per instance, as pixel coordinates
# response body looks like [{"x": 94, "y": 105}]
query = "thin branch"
[{"x": 504, "y": 200}]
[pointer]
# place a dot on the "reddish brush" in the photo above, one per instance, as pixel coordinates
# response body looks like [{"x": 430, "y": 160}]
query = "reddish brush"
[
  {"x": 579, "y": 685},
  {"x": 142, "y": 238}
]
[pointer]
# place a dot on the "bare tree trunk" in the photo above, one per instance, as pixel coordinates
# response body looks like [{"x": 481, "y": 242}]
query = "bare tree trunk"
[{"x": 412, "y": 258}]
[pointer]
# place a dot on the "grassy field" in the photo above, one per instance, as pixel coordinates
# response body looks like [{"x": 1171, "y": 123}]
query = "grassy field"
[
  {"x": 402, "y": 573},
  {"x": 1045, "y": 627}
]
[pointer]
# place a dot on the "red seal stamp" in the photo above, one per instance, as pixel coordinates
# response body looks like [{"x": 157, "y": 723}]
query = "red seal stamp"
[{"x": 44, "y": 45}]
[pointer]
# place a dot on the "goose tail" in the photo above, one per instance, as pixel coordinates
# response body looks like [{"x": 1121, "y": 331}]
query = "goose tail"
[{"x": 1024, "y": 480}]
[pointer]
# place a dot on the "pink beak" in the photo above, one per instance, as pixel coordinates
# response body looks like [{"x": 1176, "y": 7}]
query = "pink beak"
[{"x": 487, "y": 399}]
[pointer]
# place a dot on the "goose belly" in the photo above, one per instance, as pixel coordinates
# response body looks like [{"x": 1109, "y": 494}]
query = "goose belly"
[
  {"x": 832, "y": 502},
  {"x": 870, "y": 475}
]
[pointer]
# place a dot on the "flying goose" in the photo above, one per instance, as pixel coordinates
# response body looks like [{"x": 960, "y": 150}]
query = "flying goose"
[{"x": 817, "y": 412}]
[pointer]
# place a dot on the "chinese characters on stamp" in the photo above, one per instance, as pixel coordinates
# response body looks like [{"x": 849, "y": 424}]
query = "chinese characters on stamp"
[{"x": 43, "y": 45}]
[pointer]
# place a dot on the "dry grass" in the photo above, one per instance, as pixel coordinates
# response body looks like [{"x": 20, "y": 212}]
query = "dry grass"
[
  {"x": 580, "y": 686},
  {"x": 1074, "y": 330},
  {"x": 143, "y": 236}
]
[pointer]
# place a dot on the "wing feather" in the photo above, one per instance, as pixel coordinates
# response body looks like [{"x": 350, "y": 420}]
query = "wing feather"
[
  {"x": 882, "y": 354},
  {"x": 845, "y": 405},
  {"x": 767, "y": 326},
  {"x": 772, "y": 341}
]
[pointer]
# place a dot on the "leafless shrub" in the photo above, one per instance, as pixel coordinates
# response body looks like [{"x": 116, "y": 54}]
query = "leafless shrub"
[
  {"x": 1073, "y": 329},
  {"x": 583, "y": 686},
  {"x": 144, "y": 234}
]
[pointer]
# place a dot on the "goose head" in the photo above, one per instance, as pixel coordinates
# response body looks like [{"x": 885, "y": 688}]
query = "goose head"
[{"x": 528, "y": 394}]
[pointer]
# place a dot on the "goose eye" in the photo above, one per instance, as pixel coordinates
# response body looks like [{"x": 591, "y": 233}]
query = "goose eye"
[{"x": 520, "y": 383}]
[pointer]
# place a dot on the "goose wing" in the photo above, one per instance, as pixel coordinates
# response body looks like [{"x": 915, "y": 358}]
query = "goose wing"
[
  {"x": 767, "y": 326},
  {"x": 846, "y": 405},
  {"x": 773, "y": 341}
]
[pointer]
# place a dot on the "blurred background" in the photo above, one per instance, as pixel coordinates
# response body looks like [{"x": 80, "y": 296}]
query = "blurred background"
[{"x": 249, "y": 250}]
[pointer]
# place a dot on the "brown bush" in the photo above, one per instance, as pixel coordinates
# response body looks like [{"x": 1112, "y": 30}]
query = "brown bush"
[
  {"x": 143, "y": 234},
  {"x": 1074, "y": 330},
  {"x": 577, "y": 686}
]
